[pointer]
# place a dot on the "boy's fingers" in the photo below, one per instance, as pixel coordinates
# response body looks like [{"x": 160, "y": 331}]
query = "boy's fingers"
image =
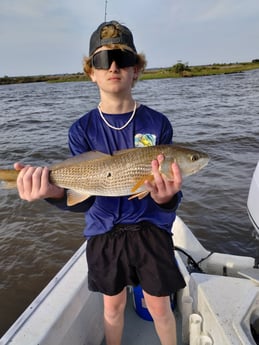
[
  {"x": 177, "y": 174},
  {"x": 18, "y": 166}
]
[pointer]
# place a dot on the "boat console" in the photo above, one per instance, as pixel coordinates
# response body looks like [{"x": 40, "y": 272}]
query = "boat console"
[
  {"x": 253, "y": 201},
  {"x": 223, "y": 300}
]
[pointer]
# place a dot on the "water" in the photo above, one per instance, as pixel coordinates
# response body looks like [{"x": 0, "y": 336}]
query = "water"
[{"x": 217, "y": 114}]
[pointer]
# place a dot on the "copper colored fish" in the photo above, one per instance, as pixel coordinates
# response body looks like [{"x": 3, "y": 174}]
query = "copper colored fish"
[{"x": 120, "y": 174}]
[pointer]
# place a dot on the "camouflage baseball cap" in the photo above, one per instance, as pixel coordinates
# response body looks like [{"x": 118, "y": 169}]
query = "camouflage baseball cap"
[{"x": 124, "y": 37}]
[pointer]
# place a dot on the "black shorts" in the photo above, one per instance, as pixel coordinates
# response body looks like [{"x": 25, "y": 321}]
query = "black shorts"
[{"x": 133, "y": 254}]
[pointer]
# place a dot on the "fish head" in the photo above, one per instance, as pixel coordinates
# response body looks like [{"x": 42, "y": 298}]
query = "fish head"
[{"x": 189, "y": 161}]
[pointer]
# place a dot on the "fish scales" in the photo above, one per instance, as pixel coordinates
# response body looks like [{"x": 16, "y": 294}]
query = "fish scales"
[{"x": 110, "y": 177}]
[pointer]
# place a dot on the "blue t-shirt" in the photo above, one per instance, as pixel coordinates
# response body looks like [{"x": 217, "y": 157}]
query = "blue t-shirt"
[{"x": 90, "y": 132}]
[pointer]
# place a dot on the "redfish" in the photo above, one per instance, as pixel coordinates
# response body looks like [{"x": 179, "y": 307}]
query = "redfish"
[{"x": 121, "y": 174}]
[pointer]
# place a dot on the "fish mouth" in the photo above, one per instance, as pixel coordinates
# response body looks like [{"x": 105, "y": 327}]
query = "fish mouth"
[
  {"x": 200, "y": 165},
  {"x": 203, "y": 162}
]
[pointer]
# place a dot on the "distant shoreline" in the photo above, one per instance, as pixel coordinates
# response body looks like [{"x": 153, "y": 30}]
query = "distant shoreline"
[{"x": 177, "y": 71}]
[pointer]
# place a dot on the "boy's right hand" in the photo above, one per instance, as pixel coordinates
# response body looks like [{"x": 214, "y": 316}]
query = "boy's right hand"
[{"x": 33, "y": 183}]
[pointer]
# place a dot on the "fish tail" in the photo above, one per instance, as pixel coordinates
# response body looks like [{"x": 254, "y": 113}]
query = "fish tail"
[{"x": 8, "y": 178}]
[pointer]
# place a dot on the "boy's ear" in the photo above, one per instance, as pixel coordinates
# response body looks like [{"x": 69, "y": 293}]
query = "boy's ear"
[
  {"x": 136, "y": 72},
  {"x": 92, "y": 75}
]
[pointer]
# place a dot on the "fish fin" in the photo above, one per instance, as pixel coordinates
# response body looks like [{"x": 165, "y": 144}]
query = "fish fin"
[
  {"x": 140, "y": 195},
  {"x": 140, "y": 183},
  {"x": 166, "y": 169},
  {"x": 86, "y": 156},
  {"x": 74, "y": 197}
]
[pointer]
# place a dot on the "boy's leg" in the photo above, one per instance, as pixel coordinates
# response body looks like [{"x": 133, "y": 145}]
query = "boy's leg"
[
  {"x": 160, "y": 309},
  {"x": 114, "y": 307}
]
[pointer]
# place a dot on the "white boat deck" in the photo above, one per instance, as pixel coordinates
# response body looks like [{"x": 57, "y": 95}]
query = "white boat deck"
[{"x": 67, "y": 313}]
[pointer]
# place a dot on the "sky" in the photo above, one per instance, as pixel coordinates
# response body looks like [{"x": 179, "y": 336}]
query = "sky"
[{"x": 51, "y": 37}]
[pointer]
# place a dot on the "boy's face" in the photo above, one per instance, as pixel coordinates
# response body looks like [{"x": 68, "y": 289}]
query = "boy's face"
[{"x": 107, "y": 73}]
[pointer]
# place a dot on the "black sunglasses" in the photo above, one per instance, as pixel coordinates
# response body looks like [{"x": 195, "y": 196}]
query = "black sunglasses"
[{"x": 104, "y": 58}]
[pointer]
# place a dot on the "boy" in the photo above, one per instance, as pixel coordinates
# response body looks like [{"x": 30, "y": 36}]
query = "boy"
[{"x": 129, "y": 241}]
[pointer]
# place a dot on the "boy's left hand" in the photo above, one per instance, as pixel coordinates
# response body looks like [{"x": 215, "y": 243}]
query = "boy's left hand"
[{"x": 162, "y": 190}]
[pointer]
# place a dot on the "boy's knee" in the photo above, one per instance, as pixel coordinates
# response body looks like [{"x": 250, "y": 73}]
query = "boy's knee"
[
  {"x": 160, "y": 313},
  {"x": 114, "y": 307},
  {"x": 114, "y": 311}
]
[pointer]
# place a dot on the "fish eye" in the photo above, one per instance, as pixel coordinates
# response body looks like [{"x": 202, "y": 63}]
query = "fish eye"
[{"x": 195, "y": 157}]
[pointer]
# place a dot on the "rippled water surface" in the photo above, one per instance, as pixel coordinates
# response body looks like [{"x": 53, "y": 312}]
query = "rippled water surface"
[{"x": 217, "y": 114}]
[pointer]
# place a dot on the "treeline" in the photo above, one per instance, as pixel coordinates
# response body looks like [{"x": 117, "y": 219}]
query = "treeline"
[
  {"x": 184, "y": 70},
  {"x": 178, "y": 70},
  {"x": 43, "y": 78}
]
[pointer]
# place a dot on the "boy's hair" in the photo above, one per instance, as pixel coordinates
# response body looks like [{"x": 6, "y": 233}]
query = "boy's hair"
[{"x": 114, "y": 36}]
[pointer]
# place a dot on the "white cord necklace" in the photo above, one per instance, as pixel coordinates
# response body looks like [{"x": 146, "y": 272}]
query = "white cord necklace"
[{"x": 122, "y": 127}]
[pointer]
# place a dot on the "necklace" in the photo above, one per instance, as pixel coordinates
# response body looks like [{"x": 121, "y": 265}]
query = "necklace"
[{"x": 118, "y": 128}]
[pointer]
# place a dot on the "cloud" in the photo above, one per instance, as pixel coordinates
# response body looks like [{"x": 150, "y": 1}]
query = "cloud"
[
  {"x": 46, "y": 36},
  {"x": 41, "y": 36},
  {"x": 33, "y": 17},
  {"x": 227, "y": 9}
]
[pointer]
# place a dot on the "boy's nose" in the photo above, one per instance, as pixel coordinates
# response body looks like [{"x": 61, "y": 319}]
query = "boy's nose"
[{"x": 113, "y": 65}]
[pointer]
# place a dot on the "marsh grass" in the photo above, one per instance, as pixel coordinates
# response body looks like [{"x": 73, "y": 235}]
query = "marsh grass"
[{"x": 158, "y": 73}]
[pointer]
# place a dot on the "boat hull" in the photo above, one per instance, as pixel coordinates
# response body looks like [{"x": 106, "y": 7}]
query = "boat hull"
[{"x": 223, "y": 303}]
